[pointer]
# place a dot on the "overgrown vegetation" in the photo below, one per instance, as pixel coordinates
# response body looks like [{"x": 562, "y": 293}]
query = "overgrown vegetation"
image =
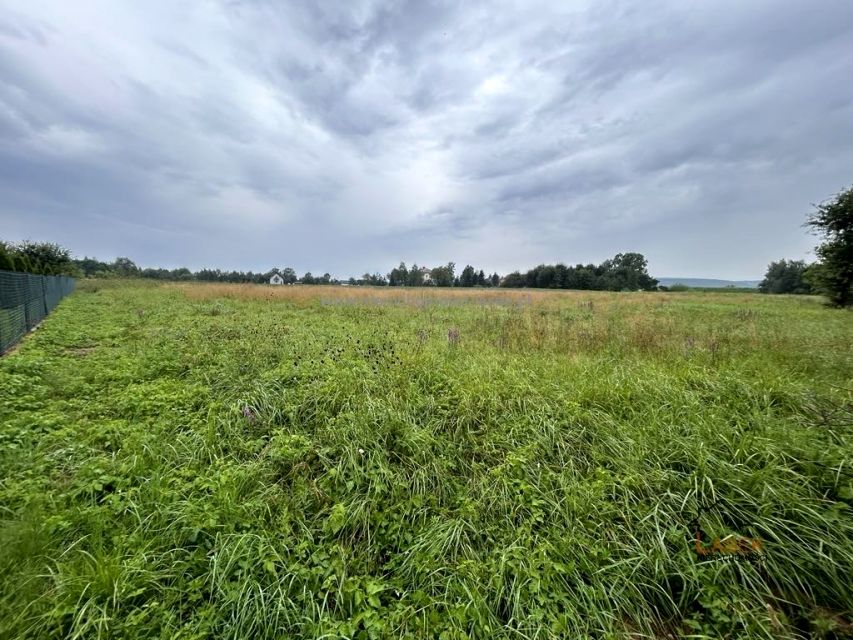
[{"x": 225, "y": 461}]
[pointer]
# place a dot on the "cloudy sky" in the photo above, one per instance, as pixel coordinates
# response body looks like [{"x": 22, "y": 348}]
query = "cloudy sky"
[{"x": 346, "y": 136}]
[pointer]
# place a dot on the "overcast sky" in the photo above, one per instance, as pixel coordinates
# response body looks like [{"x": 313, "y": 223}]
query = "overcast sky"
[{"x": 347, "y": 136}]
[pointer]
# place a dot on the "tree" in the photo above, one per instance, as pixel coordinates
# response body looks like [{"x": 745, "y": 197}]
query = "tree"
[
  {"x": 181, "y": 273},
  {"x": 416, "y": 276},
  {"x": 833, "y": 220},
  {"x": 468, "y": 277},
  {"x": 443, "y": 276},
  {"x": 628, "y": 271},
  {"x": 93, "y": 268},
  {"x": 125, "y": 267},
  {"x": 513, "y": 280},
  {"x": 495, "y": 280},
  {"x": 307, "y": 278},
  {"x": 209, "y": 275},
  {"x": 375, "y": 280},
  {"x": 7, "y": 256},
  {"x": 587, "y": 277},
  {"x": 153, "y": 274},
  {"x": 399, "y": 276},
  {"x": 289, "y": 275},
  {"x": 561, "y": 273},
  {"x": 46, "y": 258},
  {"x": 545, "y": 276},
  {"x": 785, "y": 276}
]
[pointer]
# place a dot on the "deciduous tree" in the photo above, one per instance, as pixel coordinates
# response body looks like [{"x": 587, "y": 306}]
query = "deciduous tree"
[
  {"x": 785, "y": 276},
  {"x": 833, "y": 220}
]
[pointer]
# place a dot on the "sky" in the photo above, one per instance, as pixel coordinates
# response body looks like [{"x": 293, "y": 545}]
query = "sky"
[{"x": 348, "y": 136}]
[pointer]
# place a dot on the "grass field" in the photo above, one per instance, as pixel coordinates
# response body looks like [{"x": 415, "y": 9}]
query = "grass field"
[{"x": 302, "y": 462}]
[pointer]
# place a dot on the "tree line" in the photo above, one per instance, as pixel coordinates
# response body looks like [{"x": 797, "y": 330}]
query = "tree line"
[
  {"x": 623, "y": 272},
  {"x": 41, "y": 258},
  {"x": 441, "y": 276},
  {"x": 831, "y": 275}
]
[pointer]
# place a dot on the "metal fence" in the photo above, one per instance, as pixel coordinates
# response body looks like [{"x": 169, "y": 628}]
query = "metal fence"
[{"x": 25, "y": 299}]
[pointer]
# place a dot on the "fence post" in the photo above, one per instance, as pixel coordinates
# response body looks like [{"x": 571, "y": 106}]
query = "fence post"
[
  {"x": 28, "y": 307},
  {"x": 44, "y": 294}
]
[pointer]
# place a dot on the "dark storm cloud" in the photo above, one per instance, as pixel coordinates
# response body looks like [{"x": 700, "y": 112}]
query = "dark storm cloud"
[{"x": 348, "y": 136}]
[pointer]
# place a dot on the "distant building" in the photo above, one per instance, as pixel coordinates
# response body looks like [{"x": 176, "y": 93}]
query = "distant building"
[
  {"x": 427, "y": 275},
  {"x": 276, "y": 278}
]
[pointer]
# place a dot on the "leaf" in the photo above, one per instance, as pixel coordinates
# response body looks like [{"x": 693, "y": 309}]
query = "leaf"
[{"x": 337, "y": 519}]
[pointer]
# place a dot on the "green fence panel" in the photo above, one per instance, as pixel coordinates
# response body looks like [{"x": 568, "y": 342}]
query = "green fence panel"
[{"x": 25, "y": 300}]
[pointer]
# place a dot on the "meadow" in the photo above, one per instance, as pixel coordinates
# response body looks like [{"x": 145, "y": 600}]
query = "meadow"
[{"x": 239, "y": 461}]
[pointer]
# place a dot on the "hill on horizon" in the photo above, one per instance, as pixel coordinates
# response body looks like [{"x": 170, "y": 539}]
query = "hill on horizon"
[{"x": 711, "y": 283}]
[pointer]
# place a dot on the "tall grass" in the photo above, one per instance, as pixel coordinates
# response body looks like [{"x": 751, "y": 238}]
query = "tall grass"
[{"x": 233, "y": 461}]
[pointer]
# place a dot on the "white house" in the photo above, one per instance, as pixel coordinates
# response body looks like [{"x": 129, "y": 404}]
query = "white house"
[
  {"x": 276, "y": 278},
  {"x": 427, "y": 275}
]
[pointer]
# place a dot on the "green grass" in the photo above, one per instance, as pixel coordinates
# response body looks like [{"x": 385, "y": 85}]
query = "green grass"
[{"x": 225, "y": 462}]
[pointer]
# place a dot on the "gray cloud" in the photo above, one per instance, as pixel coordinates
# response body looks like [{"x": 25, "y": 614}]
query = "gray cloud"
[{"x": 347, "y": 137}]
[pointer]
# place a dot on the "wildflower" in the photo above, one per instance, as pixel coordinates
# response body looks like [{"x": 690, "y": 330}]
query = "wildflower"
[{"x": 361, "y": 451}]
